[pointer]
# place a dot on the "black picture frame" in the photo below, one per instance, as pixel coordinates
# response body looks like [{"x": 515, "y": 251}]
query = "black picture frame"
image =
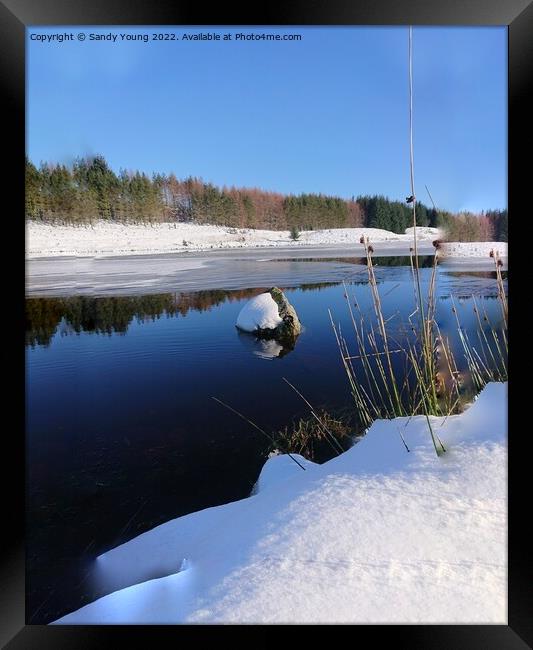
[{"x": 15, "y": 16}]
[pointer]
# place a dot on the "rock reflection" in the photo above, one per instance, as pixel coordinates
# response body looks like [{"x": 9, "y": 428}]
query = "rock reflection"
[{"x": 264, "y": 348}]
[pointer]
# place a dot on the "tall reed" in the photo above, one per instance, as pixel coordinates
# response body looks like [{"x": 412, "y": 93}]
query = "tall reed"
[
  {"x": 401, "y": 375},
  {"x": 487, "y": 355},
  {"x": 412, "y": 370}
]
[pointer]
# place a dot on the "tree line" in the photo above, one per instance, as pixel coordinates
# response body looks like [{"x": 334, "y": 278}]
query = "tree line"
[
  {"x": 90, "y": 190},
  {"x": 466, "y": 226}
]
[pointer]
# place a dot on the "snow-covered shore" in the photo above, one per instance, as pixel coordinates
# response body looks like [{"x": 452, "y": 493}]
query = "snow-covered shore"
[
  {"x": 104, "y": 238},
  {"x": 473, "y": 249},
  {"x": 377, "y": 535}
]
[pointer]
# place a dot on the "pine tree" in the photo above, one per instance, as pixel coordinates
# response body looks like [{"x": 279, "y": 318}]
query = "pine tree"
[{"x": 33, "y": 199}]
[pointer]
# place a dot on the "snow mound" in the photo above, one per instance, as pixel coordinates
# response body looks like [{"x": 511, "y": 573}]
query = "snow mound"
[
  {"x": 379, "y": 534},
  {"x": 260, "y": 312},
  {"x": 280, "y": 467}
]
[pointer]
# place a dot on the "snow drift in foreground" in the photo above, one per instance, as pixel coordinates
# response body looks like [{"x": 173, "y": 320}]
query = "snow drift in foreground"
[
  {"x": 375, "y": 535},
  {"x": 104, "y": 238},
  {"x": 260, "y": 312}
]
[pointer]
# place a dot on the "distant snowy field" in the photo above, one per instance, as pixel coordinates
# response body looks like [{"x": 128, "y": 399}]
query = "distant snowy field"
[
  {"x": 474, "y": 249},
  {"x": 376, "y": 535},
  {"x": 104, "y": 238}
]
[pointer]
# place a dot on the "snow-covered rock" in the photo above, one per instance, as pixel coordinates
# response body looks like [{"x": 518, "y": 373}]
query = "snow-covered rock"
[
  {"x": 291, "y": 327},
  {"x": 260, "y": 312},
  {"x": 270, "y": 315},
  {"x": 379, "y": 534}
]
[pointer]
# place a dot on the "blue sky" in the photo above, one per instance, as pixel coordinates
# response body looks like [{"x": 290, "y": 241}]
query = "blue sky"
[{"x": 325, "y": 114}]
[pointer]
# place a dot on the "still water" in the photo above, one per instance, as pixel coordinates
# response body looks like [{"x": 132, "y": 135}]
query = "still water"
[{"x": 122, "y": 430}]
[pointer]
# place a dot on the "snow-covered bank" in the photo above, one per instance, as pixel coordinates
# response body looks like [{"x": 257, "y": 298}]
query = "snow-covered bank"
[
  {"x": 104, "y": 238},
  {"x": 473, "y": 249},
  {"x": 376, "y": 535}
]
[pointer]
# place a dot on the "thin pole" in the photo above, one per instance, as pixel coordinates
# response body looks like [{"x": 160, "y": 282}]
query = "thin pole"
[
  {"x": 430, "y": 197},
  {"x": 411, "y": 149},
  {"x": 412, "y": 172},
  {"x": 426, "y": 342}
]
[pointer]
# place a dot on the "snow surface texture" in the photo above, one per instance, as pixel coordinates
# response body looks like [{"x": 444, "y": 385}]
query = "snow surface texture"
[
  {"x": 376, "y": 535},
  {"x": 474, "y": 249},
  {"x": 261, "y": 312},
  {"x": 104, "y": 238},
  {"x": 424, "y": 232}
]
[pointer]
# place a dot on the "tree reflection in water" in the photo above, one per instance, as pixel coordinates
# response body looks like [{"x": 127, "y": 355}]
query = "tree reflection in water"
[{"x": 109, "y": 315}]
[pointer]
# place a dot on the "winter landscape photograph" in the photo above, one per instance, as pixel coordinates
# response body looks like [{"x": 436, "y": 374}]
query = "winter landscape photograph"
[{"x": 266, "y": 325}]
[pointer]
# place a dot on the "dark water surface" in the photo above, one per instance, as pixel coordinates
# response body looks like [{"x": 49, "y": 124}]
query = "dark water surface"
[{"x": 122, "y": 433}]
